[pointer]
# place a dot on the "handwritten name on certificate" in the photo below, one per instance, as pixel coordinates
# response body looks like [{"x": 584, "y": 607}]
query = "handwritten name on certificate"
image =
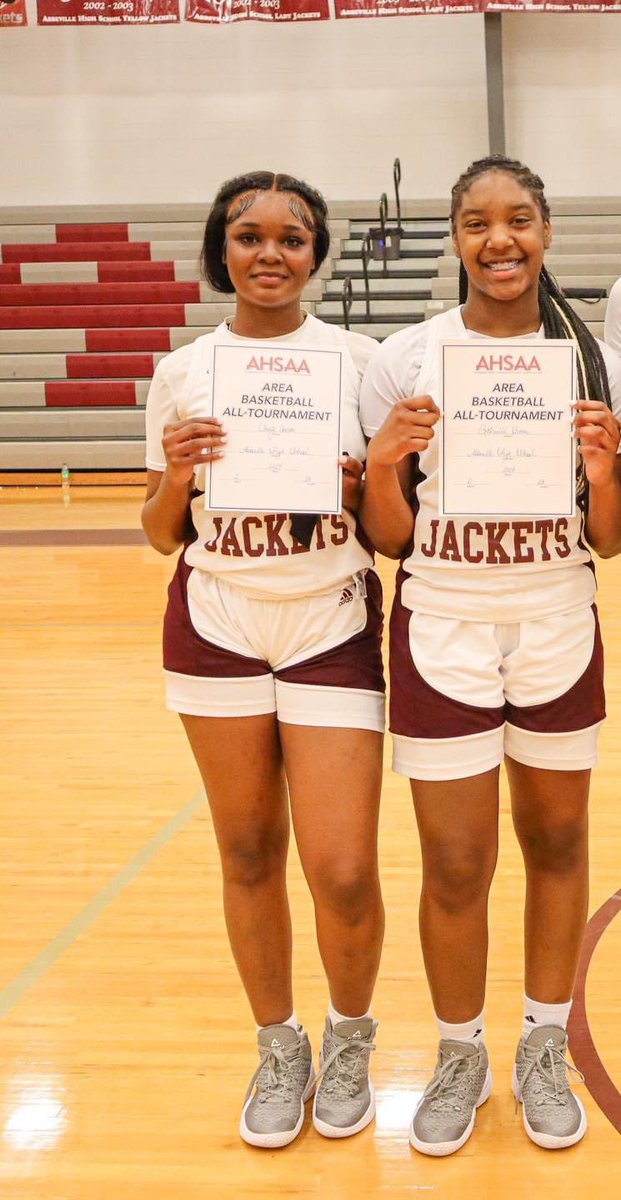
[
  {"x": 280, "y": 407},
  {"x": 506, "y": 439}
]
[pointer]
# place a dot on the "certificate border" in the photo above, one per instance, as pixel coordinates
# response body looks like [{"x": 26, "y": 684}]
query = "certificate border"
[
  {"x": 482, "y": 512},
  {"x": 295, "y": 348}
]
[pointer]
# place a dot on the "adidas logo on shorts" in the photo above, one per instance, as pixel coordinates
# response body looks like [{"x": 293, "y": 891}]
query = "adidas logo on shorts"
[{"x": 346, "y": 596}]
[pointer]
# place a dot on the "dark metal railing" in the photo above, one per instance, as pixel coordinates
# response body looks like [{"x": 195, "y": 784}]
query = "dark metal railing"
[
  {"x": 348, "y": 299},
  {"x": 381, "y": 243},
  {"x": 383, "y": 216},
  {"x": 366, "y": 253},
  {"x": 396, "y": 174},
  {"x": 588, "y": 294}
]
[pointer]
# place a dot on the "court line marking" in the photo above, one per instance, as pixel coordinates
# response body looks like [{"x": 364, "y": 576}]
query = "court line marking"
[
  {"x": 602, "y": 1088},
  {"x": 13, "y": 992},
  {"x": 73, "y": 537}
]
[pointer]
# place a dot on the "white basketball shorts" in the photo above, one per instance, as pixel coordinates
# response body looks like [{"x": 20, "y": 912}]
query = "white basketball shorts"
[
  {"x": 314, "y": 660},
  {"x": 465, "y": 693}
]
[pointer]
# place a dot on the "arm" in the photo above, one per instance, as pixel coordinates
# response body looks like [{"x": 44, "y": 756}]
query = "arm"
[
  {"x": 598, "y": 435},
  {"x": 612, "y": 325},
  {"x": 186, "y": 444},
  {"x": 385, "y": 511}
]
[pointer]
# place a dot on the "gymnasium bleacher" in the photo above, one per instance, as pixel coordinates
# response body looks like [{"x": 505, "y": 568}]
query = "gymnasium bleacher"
[{"x": 92, "y": 298}]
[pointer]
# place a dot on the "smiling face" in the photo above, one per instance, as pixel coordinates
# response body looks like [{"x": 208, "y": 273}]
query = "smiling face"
[
  {"x": 269, "y": 254},
  {"x": 500, "y": 235}
]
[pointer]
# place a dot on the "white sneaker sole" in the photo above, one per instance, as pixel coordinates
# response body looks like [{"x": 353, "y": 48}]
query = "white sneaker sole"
[
  {"x": 273, "y": 1141},
  {"x": 547, "y": 1140},
  {"x": 343, "y": 1131},
  {"x": 441, "y": 1149}
]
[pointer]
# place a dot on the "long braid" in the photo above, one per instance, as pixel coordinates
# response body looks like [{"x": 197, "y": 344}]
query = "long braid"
[{"x": 558, "y": 318}]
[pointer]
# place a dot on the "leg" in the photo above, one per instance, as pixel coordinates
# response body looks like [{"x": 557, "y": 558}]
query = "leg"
[
  {"x": 458, "y": 827},
  {"x": 240, "y": 762},
  {"x": 334, "y": 779},
  {"x": 550, "y": 818}
]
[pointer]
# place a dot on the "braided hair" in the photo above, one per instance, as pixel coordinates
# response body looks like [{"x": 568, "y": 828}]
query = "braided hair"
[{"x": 557, "y": 316}]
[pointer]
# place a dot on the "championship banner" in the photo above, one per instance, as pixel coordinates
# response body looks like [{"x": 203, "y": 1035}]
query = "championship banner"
[
  {"x": 13, "y": 12},
  {"x": 404, "y": 8},
  {"x": 408, "y": 8},
  {"x": 551, "y": 6},
  {"x": 106, "y": 12},
  {"x": 222, "y": 12}
]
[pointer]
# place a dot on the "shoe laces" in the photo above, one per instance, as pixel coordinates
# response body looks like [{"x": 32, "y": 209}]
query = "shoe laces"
[
  {"x": 448, "y": 1086},
  {"x": 275, "y": 1075},
  {"x": 548, "y": 1068},
  {"x": 349, "y": 1060}
]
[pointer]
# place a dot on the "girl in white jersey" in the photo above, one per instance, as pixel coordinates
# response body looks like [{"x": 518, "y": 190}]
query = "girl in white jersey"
[
  {"x": 272, "y": 657},
  {"x": 495, "y": 653}
]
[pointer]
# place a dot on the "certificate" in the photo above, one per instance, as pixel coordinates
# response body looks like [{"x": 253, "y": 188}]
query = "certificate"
[
  {"x": 506, "y": 436},
  {"x": 280, "y": 406}
]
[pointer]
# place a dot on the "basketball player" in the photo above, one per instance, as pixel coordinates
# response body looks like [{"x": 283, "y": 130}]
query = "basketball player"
[
  {"x": 495, "y": 654},
  {"x": 272, "y": 657}
]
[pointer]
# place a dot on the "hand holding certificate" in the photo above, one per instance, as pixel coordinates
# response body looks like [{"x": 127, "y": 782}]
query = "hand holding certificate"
[
  {"x": 507, "y": 444},
  {"x": 281, "y": 409}
]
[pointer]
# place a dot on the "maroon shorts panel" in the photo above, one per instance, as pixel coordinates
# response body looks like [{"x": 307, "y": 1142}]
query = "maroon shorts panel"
[
  {"x": 355, "y": 663},
  {"x": 186, "y": 652},
  {"x": 417, "y": 710},
  {"x": 581, "y": 706}
]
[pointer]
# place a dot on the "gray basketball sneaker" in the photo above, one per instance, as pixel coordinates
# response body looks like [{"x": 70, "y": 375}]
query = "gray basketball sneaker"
[
  {"x": 273, "y": 1112},
  {"x": 345, "y": 1101},
  {"x": 553, "y": 1116},
  {"x": 444, "y": 1116}
]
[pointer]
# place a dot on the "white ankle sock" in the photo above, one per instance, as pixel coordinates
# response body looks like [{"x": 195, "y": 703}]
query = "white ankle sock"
[
  {"x": 292, "y": 1021},
  {"x": 536, "y": 1013},
  {"x": 335, "y": 1016},
  {"x": 466, "y": 1031}
]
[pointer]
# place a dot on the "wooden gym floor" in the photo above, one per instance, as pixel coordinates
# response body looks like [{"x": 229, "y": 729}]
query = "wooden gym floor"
[{"x": 126, "y": 1042}]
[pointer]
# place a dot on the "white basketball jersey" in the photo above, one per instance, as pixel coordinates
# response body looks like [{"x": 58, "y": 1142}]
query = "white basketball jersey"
[
  {"x": 254, "y": 551},
  {"x": 483, "y": 568}
]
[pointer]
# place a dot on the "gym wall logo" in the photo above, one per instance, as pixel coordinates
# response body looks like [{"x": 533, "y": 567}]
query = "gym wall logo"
[
  {"x": 507, "y": 363},
  {"x": 13, "y": 13}
]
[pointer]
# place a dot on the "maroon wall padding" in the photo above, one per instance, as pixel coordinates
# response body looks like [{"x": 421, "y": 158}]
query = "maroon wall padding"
[
  {"x": 62, "y": 394},
  {"x": 81, "y": 316},
  {"x": 31, "y": 294},
  {"x": 120, "y": 272},
  {"x": 76, "y": 252},
  {"x": 109, "y": 366},
  {"x": 10, "y": 273},
  {"x": 92, "y": 233},
  {"x": 111, "y": 340}
]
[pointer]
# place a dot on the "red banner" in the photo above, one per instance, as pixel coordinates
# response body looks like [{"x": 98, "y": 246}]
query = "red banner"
[
  {"x": 107, "y": 12},
  {"x": 221, "y": 12},
  {"x": 408, "y": 8},
  {"x": 13, "y": 12},
  {"x": 553, "y": 6}
]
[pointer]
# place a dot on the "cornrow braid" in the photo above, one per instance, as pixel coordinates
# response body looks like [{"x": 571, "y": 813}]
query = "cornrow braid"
[
  {"x": 561, "y": 321},
  {"x": 558, "y": 318}
]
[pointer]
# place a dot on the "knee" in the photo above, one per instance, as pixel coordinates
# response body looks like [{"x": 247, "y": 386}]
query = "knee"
[
  {"x": 558, "y": 847},
  {"x": 458, "y": 877},
  {"x": 348, "y": 890},
  {"x": 253, "y": 858}
]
